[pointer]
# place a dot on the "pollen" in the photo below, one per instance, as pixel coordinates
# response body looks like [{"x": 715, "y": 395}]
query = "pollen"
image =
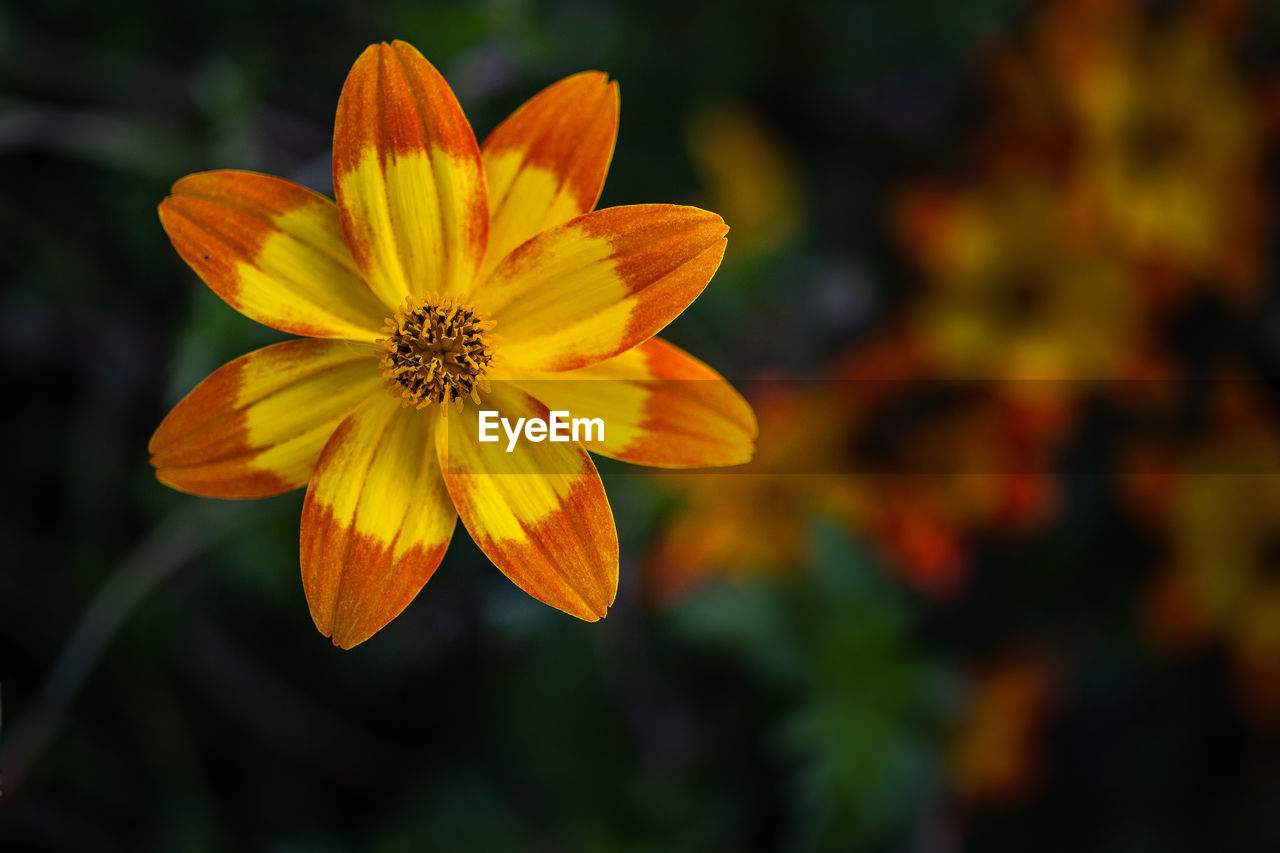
[{"x": 437, "y": 351}]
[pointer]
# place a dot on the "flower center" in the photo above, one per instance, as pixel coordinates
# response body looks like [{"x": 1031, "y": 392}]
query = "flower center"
[{"x": 437, "y": 351}]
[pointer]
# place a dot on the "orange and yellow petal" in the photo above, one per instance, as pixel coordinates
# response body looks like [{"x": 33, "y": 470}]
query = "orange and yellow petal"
[
  {"x": 256, "y": 426},
  {"x": 539, "y": 512},
  {"x": 376, "y": 522},
  {"x": 660, "y": 405},
  {"x": 408, "y": 177},
  {"x": 600, "y": 284},
  {"x": 272, "y": 250},
  {"x": 547, "y": 163}
]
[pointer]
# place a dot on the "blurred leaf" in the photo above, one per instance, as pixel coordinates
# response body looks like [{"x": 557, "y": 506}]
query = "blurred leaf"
[{"x": 868, "y": 705}]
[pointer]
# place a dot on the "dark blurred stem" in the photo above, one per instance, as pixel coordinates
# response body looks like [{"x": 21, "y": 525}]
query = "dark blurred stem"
[{"x": 173, "y": 542}]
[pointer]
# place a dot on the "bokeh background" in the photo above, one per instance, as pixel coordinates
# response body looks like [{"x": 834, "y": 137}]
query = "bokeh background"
[{"x": 1005, "y": 576}]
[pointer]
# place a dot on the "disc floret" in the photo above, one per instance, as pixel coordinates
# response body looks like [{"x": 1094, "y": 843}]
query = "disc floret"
[{"x": 438, "y": 350}]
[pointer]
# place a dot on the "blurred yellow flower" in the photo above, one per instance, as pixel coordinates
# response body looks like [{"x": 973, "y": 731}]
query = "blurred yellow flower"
[
  {"x": 748, "y": 175},
  {"x": 1167, "y": 170},
  {"x": 1220, "y": 513},
  {"x": 1008, "y": 293},
  {"x": 1225, "y": 551}
]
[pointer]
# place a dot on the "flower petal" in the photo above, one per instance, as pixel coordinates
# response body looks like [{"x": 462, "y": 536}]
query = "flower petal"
[
  {"x": 256, "y": 426},
  {"x": 408, "y": 177},
  {"x": 539, "y": 513},
  {"x": 598, "y": 285},
  {"x": 660, "y": 406},
  {"x": 274, "y": 251},
  {"x": 376, "y": 522},
  {"x": 546, "y": 163}
]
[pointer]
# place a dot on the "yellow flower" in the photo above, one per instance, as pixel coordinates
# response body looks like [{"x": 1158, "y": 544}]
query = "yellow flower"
[
  {"x": 1225, "y": 544},
  {"x": 454, "y": 274},
  {"x": 1011, "y": 294},
  {"x": 1169, "y": 135},
  {"x": 749, "y": 176},
  {"x": 1216, "y": 502}
]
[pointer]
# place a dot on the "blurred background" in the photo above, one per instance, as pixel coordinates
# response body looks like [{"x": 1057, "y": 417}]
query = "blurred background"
[{"x": 1001, "y": 284}]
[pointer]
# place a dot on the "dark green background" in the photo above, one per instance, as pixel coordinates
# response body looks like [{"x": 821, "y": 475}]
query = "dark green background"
[{"x": 804, "y": 717}]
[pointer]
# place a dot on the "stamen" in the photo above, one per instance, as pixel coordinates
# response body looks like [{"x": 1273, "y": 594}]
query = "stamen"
[{"x": 437, "y": 351}]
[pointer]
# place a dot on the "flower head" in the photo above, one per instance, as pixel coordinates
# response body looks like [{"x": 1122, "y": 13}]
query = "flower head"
[
  {"x": 1222, "y": 582},
  {"x": 1011, "y": 295},
  {"x": 1163, "y": 132},
  {"x": 447, "y": 275}
]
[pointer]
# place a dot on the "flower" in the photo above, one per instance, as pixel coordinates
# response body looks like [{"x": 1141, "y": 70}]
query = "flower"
[
  {"x": 1176, "y": 182},
  {"x": 1010, "y": 295},
  {"x": 1166, "y": 162},
  {"x": 748, "y": 174},
  {"x": 1225, "y": 550},
  {"x": 1222, "y": 582},
  {"x": 965, "y": 464},
  {"x": 996, "y": 755},
  {"x": 756, "y": 522},
  {"x": 917, "y": 469},
  {"x": 499, "y": 285},
  {"x": 1213, "y": 500}
]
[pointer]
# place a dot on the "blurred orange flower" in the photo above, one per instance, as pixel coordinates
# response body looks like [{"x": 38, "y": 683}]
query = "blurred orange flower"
[
  {"x": 755, "y": 521},
  {"x": 995, "y": 756},
  {"x": 916, "y": 486},
  {"x": 981, "y": 464}
]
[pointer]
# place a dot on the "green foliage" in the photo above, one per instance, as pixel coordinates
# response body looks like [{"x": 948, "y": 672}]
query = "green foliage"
[{"x": 865, "y": 702}]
